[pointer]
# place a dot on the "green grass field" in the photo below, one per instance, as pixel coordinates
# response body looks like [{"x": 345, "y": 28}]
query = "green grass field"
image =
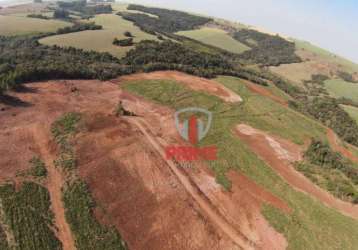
[
  {"x": 100, "y": 40},
  {"x": 309, "y": 220},
  {"x": 16, "y": 25},
  {"x": 215, "y": 37},
  {"x": 352, "y": 111},
  {"x": 340, "y": 88}
]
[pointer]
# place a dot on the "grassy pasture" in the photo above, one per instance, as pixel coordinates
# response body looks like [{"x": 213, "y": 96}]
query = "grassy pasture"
[
  {"x": 352, "y": 111},
  {"x": 100, "y": 40},
  {"x": 309, "y": 220},
  {"x": 17, "y": 25},
  {"x": 340, "y": 88},
  {"x": 215, "y": 37}
]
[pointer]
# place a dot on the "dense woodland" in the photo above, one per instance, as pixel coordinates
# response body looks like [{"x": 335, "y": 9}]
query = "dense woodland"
[
  {"x": 23, "y": 59},
  {"x": 168, "y": 21},
  {"x": 84, "y": 8},
  {"x": 266, "y": 49}
]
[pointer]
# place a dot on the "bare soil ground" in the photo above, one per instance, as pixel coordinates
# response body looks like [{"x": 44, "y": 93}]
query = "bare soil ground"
[
  {"x": 154, "y": 203},
  {"x": 336, "y": 144},
  {"x": 196, "y": 83},
  {"x": 280, "y": 154}
]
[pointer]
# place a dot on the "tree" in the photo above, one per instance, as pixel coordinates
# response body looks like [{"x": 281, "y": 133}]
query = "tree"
[{"x": 61, "y": 14}]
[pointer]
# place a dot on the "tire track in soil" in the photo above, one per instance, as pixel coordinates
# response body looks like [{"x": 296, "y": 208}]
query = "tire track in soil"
[
  {"x": 55, "y": 183},
  {"x": 241, "y": 240}
]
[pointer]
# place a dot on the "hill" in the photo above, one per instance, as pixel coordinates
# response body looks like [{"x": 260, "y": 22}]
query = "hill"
[{"x": 188, "y": 132}]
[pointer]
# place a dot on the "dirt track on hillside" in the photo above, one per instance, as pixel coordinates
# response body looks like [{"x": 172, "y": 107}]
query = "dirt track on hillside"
[
  {"x": 280, "y": 154},
  {"x": 135, "y": 188},
  {"x": 193, "y": 82},
  {"x": 335, "y": 143}
]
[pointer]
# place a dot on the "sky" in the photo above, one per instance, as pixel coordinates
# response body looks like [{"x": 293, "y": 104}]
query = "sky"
[{"x": 330, "y": 24}]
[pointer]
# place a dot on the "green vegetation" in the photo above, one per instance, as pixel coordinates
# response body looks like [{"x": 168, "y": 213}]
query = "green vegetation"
[
  {"x": 77, "y": 27},
  {"x": 38, "y": 168},
  {"x": 340, "y": 88},
  {"x": 28, "y": 215},
  {"x": 267, "y": 50},
  {"x": 215, "y": 37},
  {"x": 328, "y": 111},
  {"x": 310, "y": 219},
  {"x": 23, "y": 59},
  {"x": 62, "y": 130},
  {"x": 123, "y": 42},
  {"x": 167, "y": 21},
  {"x": 352, "y": 111},
  {"x": 331, "y": 171},
  {"x": 82, "y": 7},
  {"x": 101, "y": 40},
  {"x": 14, "y": 25},
  {"x": 346, "y": 76},
  {"x": 4, "y": 245},
  {"x": 89, "y": 234}
]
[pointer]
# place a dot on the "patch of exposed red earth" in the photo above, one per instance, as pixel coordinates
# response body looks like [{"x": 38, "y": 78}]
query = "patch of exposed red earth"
[
  {"x": 280, "y": 154},
  {"x": 335, "y": 143},
  {"x": 154, "y": 203},
  {"x": 261, "y": 90},
  {"x": 193, "y": 82}
]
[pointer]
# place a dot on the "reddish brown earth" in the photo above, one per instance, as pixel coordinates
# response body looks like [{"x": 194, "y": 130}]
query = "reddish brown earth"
[
  {"x": 261, "y": 90},
  {"x": 336, "y": 144},
  {"x": 154, "y": 203},
  {"x": 193, "y": 82},
  {"x": 280, "y": 154}
]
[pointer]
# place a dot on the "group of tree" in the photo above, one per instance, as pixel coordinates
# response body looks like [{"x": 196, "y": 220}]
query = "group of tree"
[
  {"x": 266, "y": 49},
  {"x": 321, "y": 154},
  {"x": 84, "y": 8},
  {"x": 77, "y": 27},
  {"x": 167, "y": 21},
  {"x": 123, "y": 42},
  {"x": 346, "y": 76},
  {"x": 23, "y": 59},
  {"x": 328, "y": 111}
]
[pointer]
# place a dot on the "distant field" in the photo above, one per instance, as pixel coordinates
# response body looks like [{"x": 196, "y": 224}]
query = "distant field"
[
  {"x": 100, "y": 40},
  {"x": 340, "y": 88},
  {"x": 215, "y": 37},
  {"x": 14, "y": 25},
  {"x": 316, "y": 61},
  {"x": 346, "y": 64},
  {"x": 123, "y": 7}
]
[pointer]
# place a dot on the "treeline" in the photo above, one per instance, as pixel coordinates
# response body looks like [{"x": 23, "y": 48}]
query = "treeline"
[
  {"x": 167, "y": 55},
  {"x": 77, "y": 27},
  {"x": 321, "y": 154},
  {"x": 82, "y": 7},
  {"x": 168, "y": 21},
  {"x": 328, "y": 111},
  {"x": 23, "y": 59},
  {"x": 266, "y": 49}
]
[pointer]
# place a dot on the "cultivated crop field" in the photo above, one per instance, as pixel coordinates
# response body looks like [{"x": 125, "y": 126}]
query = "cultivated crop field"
[
  {"x": 16, "y": 25},
  {"x": 339, "y": 88},
  {"x": 100, "y": 40},
  {"x": 215, "y": 37}
]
